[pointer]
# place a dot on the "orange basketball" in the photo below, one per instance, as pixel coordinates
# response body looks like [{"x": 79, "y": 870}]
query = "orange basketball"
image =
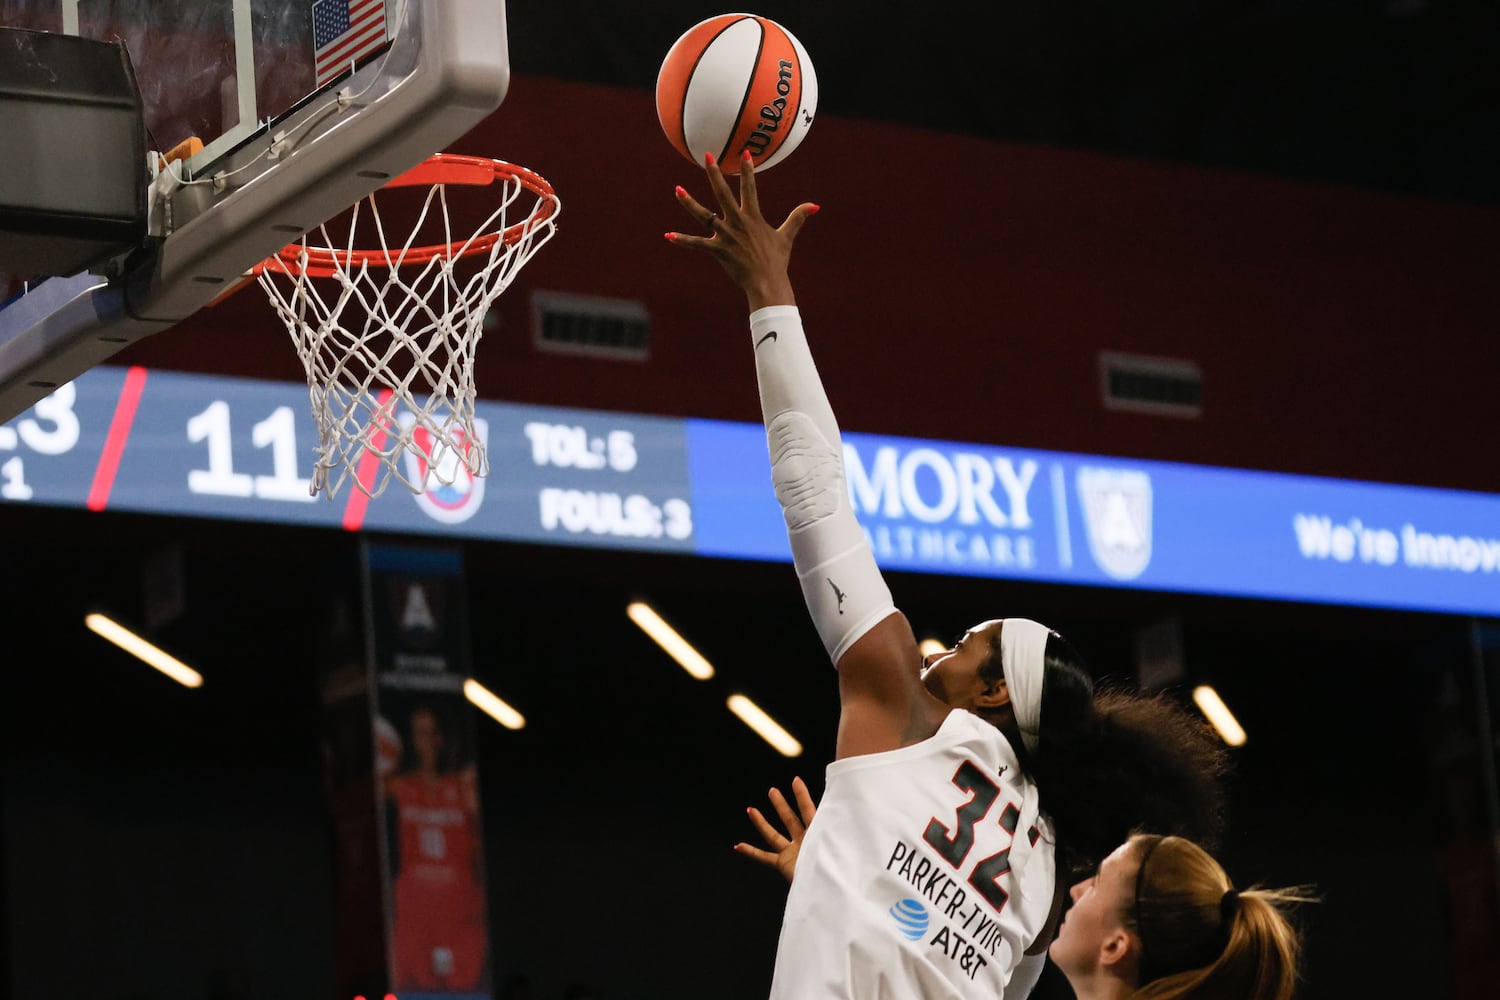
[{"x": 736, "y": 82}]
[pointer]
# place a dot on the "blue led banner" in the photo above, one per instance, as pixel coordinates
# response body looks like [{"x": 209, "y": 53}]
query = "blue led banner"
[
  {"x": 941, "y": 507},
  {"x": 131, "y": 439}
]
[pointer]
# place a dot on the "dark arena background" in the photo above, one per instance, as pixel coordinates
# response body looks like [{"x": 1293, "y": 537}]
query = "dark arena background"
[{"x": 1288, "y": 208}]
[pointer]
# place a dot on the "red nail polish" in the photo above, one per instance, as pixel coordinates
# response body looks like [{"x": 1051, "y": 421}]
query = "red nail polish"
[
  {"x": 681, "y": 191},
  {"x": 747, "y": 154},
  {"x": 814, "y": 209},
  {"x": 671, "y": 237},
  {"x": 708, "y": 158}
]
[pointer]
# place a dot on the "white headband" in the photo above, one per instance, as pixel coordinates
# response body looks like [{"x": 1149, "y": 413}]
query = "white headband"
[{"x": 1023, "y": 644}]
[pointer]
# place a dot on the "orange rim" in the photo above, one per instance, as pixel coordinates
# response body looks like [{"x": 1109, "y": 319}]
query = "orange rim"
[{"x": 440, "y": 168}]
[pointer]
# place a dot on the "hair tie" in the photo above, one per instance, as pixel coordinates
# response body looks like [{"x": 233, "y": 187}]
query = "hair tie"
[{"x": 1229, "y": 905}]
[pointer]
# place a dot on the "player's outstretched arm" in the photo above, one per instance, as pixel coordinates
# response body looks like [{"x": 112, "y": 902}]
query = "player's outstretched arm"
[
  {"x": 883, "y": 702},
  {"x": 783, "y": 847}
]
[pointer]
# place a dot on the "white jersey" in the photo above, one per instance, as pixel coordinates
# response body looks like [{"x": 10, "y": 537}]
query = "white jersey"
[{"x": 926, "y": 873}]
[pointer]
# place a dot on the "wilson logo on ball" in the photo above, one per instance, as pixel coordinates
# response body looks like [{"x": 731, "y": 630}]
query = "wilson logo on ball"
[
  {"x": 771, "y": 114},
  {"x": 733, "y": 83}
]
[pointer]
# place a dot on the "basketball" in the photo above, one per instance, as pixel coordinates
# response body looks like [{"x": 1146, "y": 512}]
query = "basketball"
[{"x": 733, "y": 83}]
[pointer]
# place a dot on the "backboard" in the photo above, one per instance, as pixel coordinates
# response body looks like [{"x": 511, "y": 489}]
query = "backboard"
[{"x": 292, "y": 111}]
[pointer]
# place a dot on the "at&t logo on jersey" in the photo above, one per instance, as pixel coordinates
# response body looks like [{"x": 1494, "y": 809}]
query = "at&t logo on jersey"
[
  {"x": 911, "y": 918},
  {"x": 967, "y": 924},
  {"x": 1117, "y": 512},
  {"x": 451, "y": 494}
]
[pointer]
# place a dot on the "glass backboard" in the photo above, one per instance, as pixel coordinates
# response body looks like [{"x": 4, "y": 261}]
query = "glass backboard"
[
  {"x": 294, "y": 109},
  {"x": 218, "y": 70}
]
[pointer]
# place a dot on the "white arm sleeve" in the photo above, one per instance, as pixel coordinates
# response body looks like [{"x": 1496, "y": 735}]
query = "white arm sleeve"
[{"x": 845, "y": 593}]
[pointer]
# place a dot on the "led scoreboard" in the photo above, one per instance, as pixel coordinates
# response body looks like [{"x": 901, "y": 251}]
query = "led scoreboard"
[{"x": 169, "y": 443}]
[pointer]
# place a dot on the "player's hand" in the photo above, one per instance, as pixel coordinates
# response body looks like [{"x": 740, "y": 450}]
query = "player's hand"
[
  {"x": 784, "y": 848},
  {"x": 753, "y": 252}
]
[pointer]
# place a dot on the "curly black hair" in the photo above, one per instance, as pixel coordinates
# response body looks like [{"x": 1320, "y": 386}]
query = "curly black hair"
[{"x": 1110, "y": 762}]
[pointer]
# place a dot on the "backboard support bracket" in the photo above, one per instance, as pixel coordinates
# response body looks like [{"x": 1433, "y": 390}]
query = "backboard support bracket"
[{"x": 447, "y": 68}]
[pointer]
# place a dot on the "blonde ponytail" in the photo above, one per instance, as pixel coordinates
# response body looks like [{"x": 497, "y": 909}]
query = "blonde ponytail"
[{"x": 1200, "y": 938}]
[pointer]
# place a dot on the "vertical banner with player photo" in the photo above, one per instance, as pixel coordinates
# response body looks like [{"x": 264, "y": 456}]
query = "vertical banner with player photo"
[{"x": 437, "y": 921}]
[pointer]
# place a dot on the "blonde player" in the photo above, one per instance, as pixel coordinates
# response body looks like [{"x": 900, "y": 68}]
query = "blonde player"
[{"x": 967, "y": 789}]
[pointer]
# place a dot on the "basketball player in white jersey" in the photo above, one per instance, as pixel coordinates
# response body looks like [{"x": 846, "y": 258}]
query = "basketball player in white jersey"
[{"x": 967, "y": 789}]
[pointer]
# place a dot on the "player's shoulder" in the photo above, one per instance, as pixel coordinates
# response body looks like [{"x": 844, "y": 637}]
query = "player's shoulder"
[{"x": 965, "y": 727}]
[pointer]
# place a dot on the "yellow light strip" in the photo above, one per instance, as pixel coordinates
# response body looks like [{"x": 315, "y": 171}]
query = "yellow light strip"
[
  {"x": 765, "y": 727},
  {"x": 667, "y": 638},
  {"x": 490, "y": 704},
  {"x": 1219, "y": 715},
  {"x": 143, "y": 650}
]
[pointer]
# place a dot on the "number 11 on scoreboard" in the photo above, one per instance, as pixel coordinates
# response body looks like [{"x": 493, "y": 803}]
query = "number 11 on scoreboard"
[{"x": 278, "y": 432}]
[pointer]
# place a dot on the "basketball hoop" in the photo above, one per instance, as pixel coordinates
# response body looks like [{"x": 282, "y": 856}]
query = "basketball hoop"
[{"x": 388, "y": 335}]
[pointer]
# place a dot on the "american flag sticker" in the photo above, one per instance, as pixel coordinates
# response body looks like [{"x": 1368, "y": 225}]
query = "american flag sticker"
[{"x": 345, "y": 31}]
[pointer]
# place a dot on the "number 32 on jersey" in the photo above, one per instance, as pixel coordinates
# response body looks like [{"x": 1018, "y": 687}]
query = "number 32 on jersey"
[{"x": 955, "y": 842}]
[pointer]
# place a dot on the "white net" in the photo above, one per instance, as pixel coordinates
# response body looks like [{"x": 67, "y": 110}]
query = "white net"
[{"x": 388, "y": 335}]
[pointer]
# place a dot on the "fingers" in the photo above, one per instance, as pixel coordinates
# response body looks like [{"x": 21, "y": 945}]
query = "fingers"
[
  {"x": 772, "y": 836},
  {"x": 804, "y": 798},
  {"x": 749, "y": 199},
  {"x": 784, "y": 810},
  {"x": 694, "y": 208},
  {"x": 798, "y": 218},
  {"x": 692, "y": 242},
  {"x": 756, "y": 854},
  {"x": 750, "y": 249},
  {"x": 716, "y": 181}
]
